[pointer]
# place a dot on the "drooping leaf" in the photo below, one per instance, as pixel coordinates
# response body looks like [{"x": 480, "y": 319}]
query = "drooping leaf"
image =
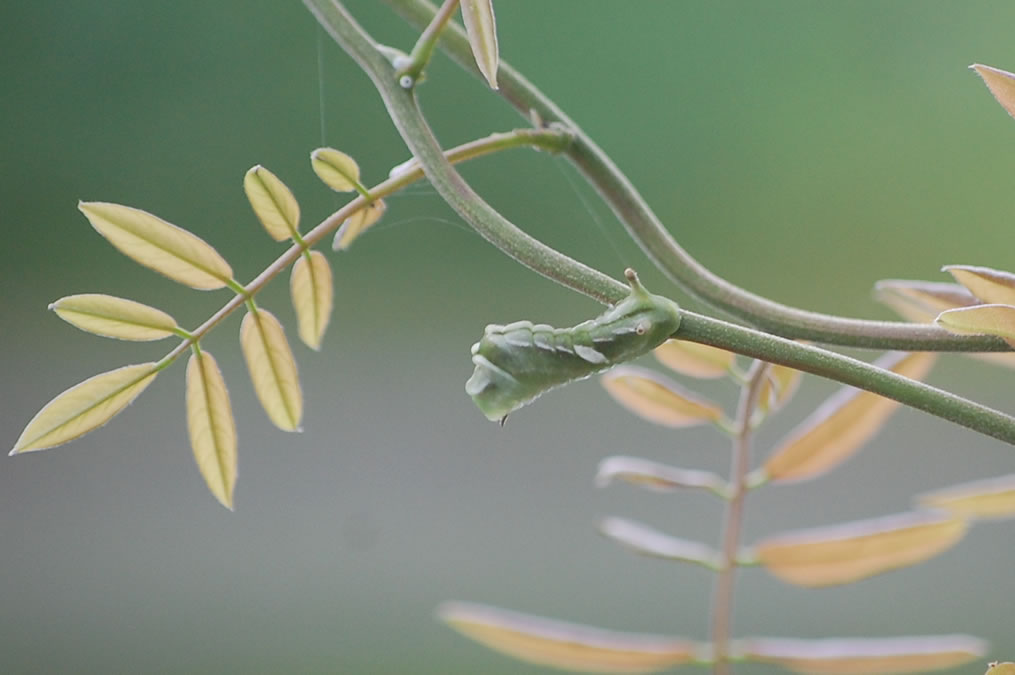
[
  {"x": 694, "y": 359},
  {"x": 989, "y": 285},
  {"x": 864, "y": 656},
  {"x": 114, "y": 317},
  {"x": 565, "y": 645},
  {"x": 921, "y": 301},
  {"x": 657, "y": 399},
  {"x": 211, "y": 426},
  {"x": 311, "y": 289},
  {"x": 996, "y": 320},
  {"x": 841, "y": 554},
  {"x": 1001, "y": 84},
  {"x": 336, "y": 169},
  {"x": 272, "y": 369},
  {"x": 647, "y": 541},
  {"x": 656, "y": 476},
  {"x": 980, "y": 499},
  {"x": 84, "y": 407},
  {"x": 273, "y": 203},
  {"x": 158, "y": 245},
  {"x": 354, "y": 226},
  {"x": 841, "y": 425},
  {"x": 481, "y": 28}
]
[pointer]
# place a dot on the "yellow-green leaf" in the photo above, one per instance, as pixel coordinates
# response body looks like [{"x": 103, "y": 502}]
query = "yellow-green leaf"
[
  {"x": 841, "y": 425},
  {"x": 1001, "y": 84},
  {"x": 481, "y": 27},
  {"x": 566, "y": 645},
  {"x": 658, "y": 400},
  {"x": 114, "y": 317},
  {"x": 981, "y": 499},
  {"x": 211, "y": 426},
  {"x": 273, "y": 203},
  {"x": 989, "y": 285},
  {"x": 354, "y": 226},
  {"x": 864, "y": 656},
  {"x": 311, "y": 290},
  {"x": 161, "y": 246},
  {"x": 84, "y": 407},
  {"x": 272, "y": 369},
  {"x": 842, "y": 554},
  {"x": 695, "y": 360},
  {"x": 656, "y": 476},
  {"x": 647, "y": 541},
  {"x": 921, "y": 301},
  {"x": 336, "y": 169},
  {"x": 996, "y": 320},
  {"x": 1004, "y": 668}
]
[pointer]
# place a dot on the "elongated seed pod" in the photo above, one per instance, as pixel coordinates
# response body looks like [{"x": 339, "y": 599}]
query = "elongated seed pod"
[{"x": 518, "y": 362}]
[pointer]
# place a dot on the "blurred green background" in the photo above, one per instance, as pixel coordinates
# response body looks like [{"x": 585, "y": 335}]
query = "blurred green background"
[{"x": 801, "y": 149}]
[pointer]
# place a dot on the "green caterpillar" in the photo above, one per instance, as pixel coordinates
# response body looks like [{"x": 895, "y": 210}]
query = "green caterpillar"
[{"x": 518, "y": 362}]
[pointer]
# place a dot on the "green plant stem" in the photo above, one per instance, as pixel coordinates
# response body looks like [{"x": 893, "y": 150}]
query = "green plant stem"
[
  {"x": 551, "y": 140},
  {"x": 722, "y": 598},
  {"x": 648, "y": 231},
  {"x": 404, "y": 112},
  {"x": 423, "y": 50}
]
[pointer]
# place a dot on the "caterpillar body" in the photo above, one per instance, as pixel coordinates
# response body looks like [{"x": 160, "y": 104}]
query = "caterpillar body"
[{"x": 520, "y": 361}]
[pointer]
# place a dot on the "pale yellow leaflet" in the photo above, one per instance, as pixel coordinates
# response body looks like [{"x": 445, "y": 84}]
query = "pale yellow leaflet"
[
  {"x": 211, "y": 426},
  {"x": 864, "y": 656},
  {"x": 996, "y": 320},
  {"x": 114, "y": 317},
  {"x": 272, "y": 369},
  {"x": 695, "y": 360},
  {"x": 981, "y": 499},
  {"x": 273, "y": 203},
  {"x": 1001, "y": 84},
  {"x": 310, "y": 287},
  {"x": 564, "y": 645},
  {"x": 658, "y": 400},
  {"x": 841, "y": 425},
  {"x": 841, "y": 554},
  {"x": 84, "y": 407},
  {"x": 989, "y": 285},
  {"x": 358, "y": 222},
  {"x": 336, "y": 169},
  {"x": 161, "y": 246},
  {"x": 650, "y": 542}
]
